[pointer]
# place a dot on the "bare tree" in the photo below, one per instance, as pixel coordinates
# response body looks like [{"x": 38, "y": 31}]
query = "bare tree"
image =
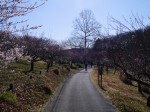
[
  {"x": 130, "y": 50},
  {"x": 86, "y": 27},
  {"x": 73, "y": 43},
  {"x": 33, "y": 47},
  {"x": 51, "y": 53}
]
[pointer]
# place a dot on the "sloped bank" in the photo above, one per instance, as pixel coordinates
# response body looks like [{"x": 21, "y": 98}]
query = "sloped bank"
[
  {"x": 32, "y": 90},
  {"x": 125, "y": 97}
]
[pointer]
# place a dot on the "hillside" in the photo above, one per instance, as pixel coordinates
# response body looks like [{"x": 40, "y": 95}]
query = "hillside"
[{"x": 22, "y": 91}]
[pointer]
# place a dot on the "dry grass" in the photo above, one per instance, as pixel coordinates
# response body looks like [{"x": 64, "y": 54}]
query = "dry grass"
[
  {"x": 32, "y": 90},
  {"x": 125, "y": 97}
]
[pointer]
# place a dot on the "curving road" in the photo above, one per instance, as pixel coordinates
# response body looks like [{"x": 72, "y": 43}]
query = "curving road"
[{"x": 79, "y": 95}]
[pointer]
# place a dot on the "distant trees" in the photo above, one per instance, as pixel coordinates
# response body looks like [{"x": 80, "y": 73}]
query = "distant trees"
[
  {"x": 8, "y": 43},
  {"x": 75, "y": 55},
  {"x": 98, "y": 52},
  {"x": 73, "y": 42},
  {"x": 41, "y": 49},
  {"x": 52, "y": 52},
  {"x": 38, "y": 49},
  {"x": 6, "y": 40}
]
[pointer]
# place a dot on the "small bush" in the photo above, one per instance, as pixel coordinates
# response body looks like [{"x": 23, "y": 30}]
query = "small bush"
[
  {"x": 47, "y": 90},
  {"x": 9, "y": 98},
  {"x": 40, "y": 65},
  {"x": 145, "y": 89},
  {"x": 73, "y": 67},
  {"x": 25, "y": 62},
  {"x": 79, "y": 65},
  {"x": 68, "y": 68},
  {"x": 56, "y": 71},
  {"x": 65, "y": 65},
  {"x": 124, "y": 79}
]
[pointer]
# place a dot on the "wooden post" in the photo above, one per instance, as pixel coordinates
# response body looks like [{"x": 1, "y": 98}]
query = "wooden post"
[
  {"x": 101, "y": 80},
  {"x": 98, "y": 79},
  {"x": 100, "y": 73}
]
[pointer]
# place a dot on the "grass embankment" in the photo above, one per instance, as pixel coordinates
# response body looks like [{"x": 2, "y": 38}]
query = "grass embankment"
[
  {"x": 125, "y": 97},
  {"x": 31, "y": 90}
]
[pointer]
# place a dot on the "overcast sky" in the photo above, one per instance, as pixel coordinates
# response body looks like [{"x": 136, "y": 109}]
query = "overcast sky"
[{"x": 57, "y": 16}]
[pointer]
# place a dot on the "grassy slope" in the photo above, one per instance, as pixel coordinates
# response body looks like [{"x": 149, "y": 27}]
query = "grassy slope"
[
  {"x": 126, "y": 98},
  {"x": 31, "y": 93}
]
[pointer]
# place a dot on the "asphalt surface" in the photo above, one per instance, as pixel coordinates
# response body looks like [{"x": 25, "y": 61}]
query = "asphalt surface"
[{"x": 78, "y": 94}]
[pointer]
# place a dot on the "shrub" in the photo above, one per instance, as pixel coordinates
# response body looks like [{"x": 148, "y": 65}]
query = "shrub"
[
  {"x": 68, "y": 68},
  {"x": 145, "y": 89},
  {"x": 25, "y": 62},
  {"x": 124, "y": 79},
  {"x": 9, "y": 98},
  {"x": 56, "y": 71},
  {"x": 47, "y": 90},
  {"x": 79, "y": 65},
  {"x": 73, "y": 67},
  {"x": 65, "y": 65}
]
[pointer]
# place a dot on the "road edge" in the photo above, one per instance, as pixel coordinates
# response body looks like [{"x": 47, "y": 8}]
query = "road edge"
[
  {"x": 99, "y": 90},
  {"x": 53, "y": 101}
]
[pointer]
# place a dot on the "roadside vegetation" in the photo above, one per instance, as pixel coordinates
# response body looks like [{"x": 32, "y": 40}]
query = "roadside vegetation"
[
  {"x": 124, "y": 96},
  {"x": 22, "y": 91}
]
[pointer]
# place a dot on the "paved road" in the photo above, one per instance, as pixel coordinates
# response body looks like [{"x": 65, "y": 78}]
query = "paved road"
[{"x": 79, "y": 95}]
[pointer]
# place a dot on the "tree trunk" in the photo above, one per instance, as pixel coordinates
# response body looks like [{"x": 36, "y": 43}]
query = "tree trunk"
[
  {"x": 16, "y": 59},
  {"x": 32, "y": 65},
  {"x": 101, "y": 81},
  {"x": 48, "y": 66},
  {"x": 139, "y": 87},
  {"x": 51, "y": 63},
  {"x": 115, "y": 70},
  {"x": 98, "y": 80},
  {"x": 71, "y": 64},
  {"x": 107, "y": 69}
]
